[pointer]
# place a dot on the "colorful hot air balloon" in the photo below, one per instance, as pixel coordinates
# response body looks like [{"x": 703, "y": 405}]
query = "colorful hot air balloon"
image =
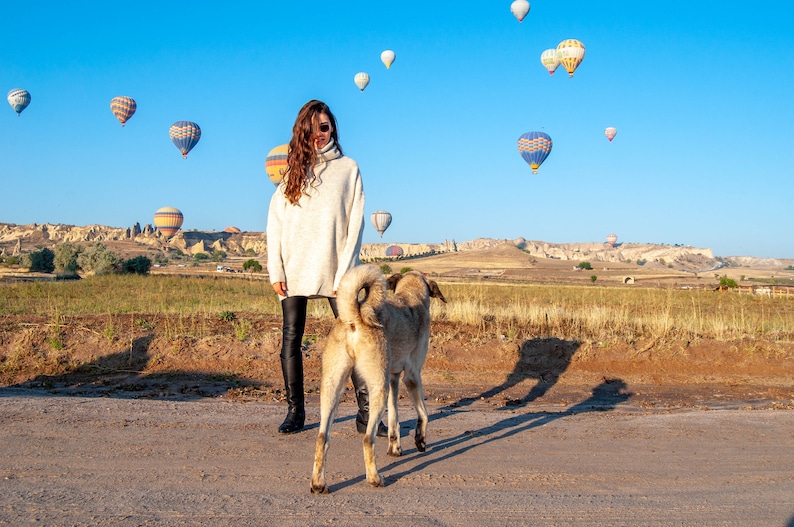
[
  {"x": 168, "y": 221},
  {"x": 534, "y": 147},
  {"x": 571, "y": 54},
  {"x": 612, "y": 239},
  {"x": 381, "y": 221},
  {"x": 387, "y": 57},
  {"x": 550, "y": 60},
  {"x": 394, "y": 250},
  {"x": 185, "y": 135},
  {"x": 611, "y": 132},
  {"x": 18, "y": 99},
  {"x": 519, "y": 8},
  {"x": 276, "y": 163},
  {"x": 232, "y": 229},
  {"x": 123, "y": 108},
  {"x": 361, "y": 79}
]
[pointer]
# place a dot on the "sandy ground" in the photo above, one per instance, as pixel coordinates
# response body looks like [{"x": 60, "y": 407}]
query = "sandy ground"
[{"x": 194, "y": 461}]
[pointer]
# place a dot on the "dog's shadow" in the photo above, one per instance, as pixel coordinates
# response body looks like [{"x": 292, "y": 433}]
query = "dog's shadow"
[{"x": 542, "y": 359}]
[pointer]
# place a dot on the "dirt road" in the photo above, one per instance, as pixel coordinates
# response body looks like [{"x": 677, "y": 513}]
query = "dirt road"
[{"x": 214, "y": 461}]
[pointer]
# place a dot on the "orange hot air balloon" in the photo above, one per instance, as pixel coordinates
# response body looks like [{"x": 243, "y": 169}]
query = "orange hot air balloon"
[
  {"x": 232, "y": 228},
  {"x": 123, "y": 108},
  {"x": 168, "y": 220}
]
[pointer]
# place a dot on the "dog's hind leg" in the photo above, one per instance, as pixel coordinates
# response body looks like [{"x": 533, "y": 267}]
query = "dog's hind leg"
[
  {"x": 395, "y": 449},
  {"x": 377, "y": 407},
  {"x": 335, "y": 374},
  {"x": 413, "y": 382}
]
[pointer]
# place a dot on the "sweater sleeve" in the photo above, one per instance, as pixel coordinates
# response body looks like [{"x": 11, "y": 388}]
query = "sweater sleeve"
[
  {"x": 349, "y": 256},
  {"x": 275, "y": 262}
]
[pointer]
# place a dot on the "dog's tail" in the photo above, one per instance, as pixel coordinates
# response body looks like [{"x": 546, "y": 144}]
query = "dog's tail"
[{"x": 355, "y": 308}]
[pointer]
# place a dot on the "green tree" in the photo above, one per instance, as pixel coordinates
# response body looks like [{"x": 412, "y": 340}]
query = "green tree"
[
  {"x": 585, "y": 265},
  {"x": 42, "y": 261},
  {"x": 201, "y": 257},
  {"x": 728, "y": 282},
  {"x": 386, "y": 269},
  {"x": 252, "y": 266},
  {"x": 137, "y": 265},
  {"x": 218, "y": 256},
  {"x": 98, "y": 259},
  {"x": 66, "y": 257}
]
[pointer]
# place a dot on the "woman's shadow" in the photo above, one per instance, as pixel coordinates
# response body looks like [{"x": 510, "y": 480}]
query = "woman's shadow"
[{"x": 542, "y": 359}]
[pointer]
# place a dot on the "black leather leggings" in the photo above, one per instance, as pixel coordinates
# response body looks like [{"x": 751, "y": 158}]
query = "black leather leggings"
[{"x": 293, "y": 309}]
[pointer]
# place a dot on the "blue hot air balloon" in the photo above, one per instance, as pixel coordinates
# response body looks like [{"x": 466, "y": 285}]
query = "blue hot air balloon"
[
  {"x": 534, "y": 147},
  {"x": 18, "y": 99},
  {"x": 185, "y": 135}
]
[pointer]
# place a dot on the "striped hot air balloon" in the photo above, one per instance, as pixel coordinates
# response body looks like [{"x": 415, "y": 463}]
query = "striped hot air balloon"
[
  {"x": 123, "y": 107},
  {"x": 610, "y": 132},
  {"x": 276, "y": 163},
  {"x": 571, "y": 54},
  {"x": 232, "y": 229},
  {"x": 550, "y": 60},
  {"x": 612, "y": 239},
  {"x": 168, "y": 220},
  {"x": 185, "y": 135},
  {"x": 362, "y": 80},
  {"x": 18, "y": 99},
  {"x": 394, "y": 250},
  {"x": 534, "y": 147},
  {"x": 381, "y": 221}
]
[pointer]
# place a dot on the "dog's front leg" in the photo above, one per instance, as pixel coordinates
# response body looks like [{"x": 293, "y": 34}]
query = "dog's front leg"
[{"x": 318, "y": 473}]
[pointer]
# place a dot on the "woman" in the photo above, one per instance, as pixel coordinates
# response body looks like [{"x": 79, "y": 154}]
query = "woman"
[{"x": 314, "y": 227}]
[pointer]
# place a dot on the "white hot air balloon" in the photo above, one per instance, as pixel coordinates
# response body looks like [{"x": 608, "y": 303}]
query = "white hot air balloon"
[
  {"x": 381, "y": 221},
  {"x": 519, "y": 8},
  {"x": 612, "y": 239},
  {"x": 550, "y": 60},
  {"x": 18, "y": 99},
  {"x": 361, "y": 79},
  {"x": 387, "y": 57},
  {"x": 611, "y": 132}
]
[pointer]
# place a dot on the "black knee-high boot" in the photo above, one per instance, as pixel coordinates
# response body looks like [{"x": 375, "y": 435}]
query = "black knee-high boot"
[
  {"x": 294, "y": 310},
  {"x": 362, "y": 397}
]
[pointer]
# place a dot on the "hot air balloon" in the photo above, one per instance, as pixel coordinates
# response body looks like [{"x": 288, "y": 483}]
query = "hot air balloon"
[
  {"x": 387, "y": 57},
  {"x": 18, "y": 99},
  {"x": 123, "y": 108},
  {"x": 550, "y": 60},
  {"x": 519, "y": 8},
  {"x": 361, "y": 79},
  {"x": 534, "y": 147},
  {"x": 276, "y": 163},
  {"x": 612, "y": 239},
  {"x": 185, "y": 135},
  {"x": 394, "y": 250},
  {"x": 232, "y": 229},
  {"x": 611, "y": 132},
  {"x": 381, "y": 221},
  {"x": 168, "y": 220},
  {"x": 571, "y": 54}
]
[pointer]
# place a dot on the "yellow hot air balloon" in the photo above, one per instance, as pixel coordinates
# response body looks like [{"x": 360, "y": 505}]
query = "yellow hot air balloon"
[
  {"x": 276, "y": 163},
  {"x": 387, "y": 57},
  {"x": 168, "y": 220},
  {"x": 571, "y": 54},
  {"x": 232, "y": 229}
]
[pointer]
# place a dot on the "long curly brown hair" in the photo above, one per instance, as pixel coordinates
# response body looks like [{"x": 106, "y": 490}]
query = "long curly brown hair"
[{"x": 302, "y": 156}]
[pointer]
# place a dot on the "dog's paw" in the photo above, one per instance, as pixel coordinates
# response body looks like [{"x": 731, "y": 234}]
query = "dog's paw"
[
  {"x": 377, "y": 481},
  {"x": 420, "y": 444},
  {"x": 394, "y": 451},
  {"x": 319, "y": 489}
]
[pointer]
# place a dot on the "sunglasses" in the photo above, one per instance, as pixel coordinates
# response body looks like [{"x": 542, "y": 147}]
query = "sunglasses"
[{"x": 324, "y": 127}]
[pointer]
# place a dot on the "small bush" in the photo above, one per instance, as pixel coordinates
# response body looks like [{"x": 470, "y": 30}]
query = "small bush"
[
  {"x": 405, "y": 270},
  {"x": 593, "y": 278},
  {"x": 585, "y": 265},
  {"x": 252, "y": 265},
  {"x": 137, "y": 265},
  {"x": 227, "y": 316},
  {"x": 386, "y": 269},
  {"x": 728, "y": 282}
]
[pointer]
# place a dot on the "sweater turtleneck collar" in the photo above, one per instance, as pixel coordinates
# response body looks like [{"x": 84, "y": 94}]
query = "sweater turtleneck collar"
[{"x": 328, "y": 152}]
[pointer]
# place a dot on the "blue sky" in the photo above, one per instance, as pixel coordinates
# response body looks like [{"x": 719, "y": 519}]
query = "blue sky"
[{"x": 700, "y": 92}]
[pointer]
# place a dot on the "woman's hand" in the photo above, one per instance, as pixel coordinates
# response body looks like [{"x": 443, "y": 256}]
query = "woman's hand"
[{"x": 280, "y": 288}]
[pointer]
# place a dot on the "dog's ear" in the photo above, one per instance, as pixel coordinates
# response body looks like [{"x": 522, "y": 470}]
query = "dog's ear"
[
  {"x": 434, "y": 290},
  {"x": 393, "y": 279}
]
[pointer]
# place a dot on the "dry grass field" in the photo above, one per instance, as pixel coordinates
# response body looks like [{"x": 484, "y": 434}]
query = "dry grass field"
[{"x": 516, "y": 329}]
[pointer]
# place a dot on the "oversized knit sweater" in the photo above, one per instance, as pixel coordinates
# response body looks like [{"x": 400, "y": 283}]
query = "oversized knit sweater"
[{"x": 310, "y": 245}]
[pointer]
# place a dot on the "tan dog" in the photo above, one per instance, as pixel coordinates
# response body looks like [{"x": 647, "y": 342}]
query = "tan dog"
[{"x": 381, "y": 337}]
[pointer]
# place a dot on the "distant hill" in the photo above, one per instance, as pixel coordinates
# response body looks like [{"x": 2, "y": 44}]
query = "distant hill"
[{"x": 134, "y": 240}]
